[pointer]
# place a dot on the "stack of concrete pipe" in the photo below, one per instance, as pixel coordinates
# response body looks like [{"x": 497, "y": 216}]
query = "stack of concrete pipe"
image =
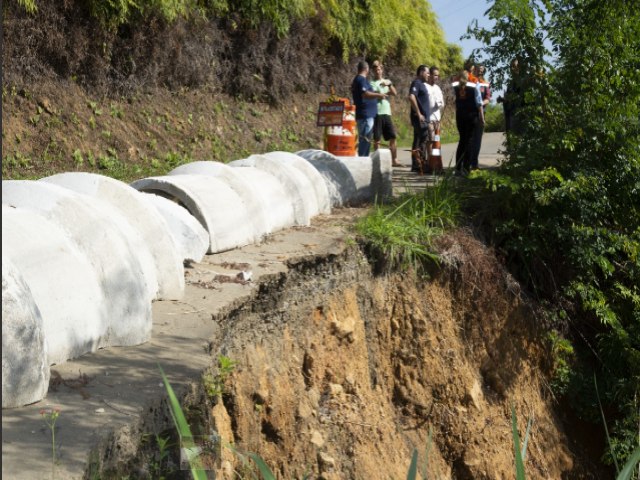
[{"x": 85, "y": 255}]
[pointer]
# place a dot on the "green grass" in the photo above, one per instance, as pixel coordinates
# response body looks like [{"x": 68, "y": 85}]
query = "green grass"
[{"x": 400, "y": 234}]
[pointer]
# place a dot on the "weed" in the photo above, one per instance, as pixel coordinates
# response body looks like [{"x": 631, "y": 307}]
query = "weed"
[
  {"x": 400, "y": 234},
  {"x": 215, "y": 384},
  {"x": 106, "y": 134},
  {"x": 116, "y": 111},
  {"x": 91, "y": 159},
  {"x": 92, "y": 122},
  {"x": 74, "y": 119},
  {"x": 35, "y": 119},
  {"x": 562, "y": 355},
  {"x": 77, "y": 157},
  {"x": 186, "y": 438},
  {"x": 50, "y": 417},
  {"x": 95, "y": 109}
]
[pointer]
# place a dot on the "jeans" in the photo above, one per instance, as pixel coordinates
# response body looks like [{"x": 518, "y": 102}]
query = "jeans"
[{"x": 365, "y": 133}]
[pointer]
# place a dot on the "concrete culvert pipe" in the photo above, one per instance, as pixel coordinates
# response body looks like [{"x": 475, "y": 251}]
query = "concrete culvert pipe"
[
  {"x": 255, "y": 207},
  {"x": 113, "y": 248},
  {"x": 358, "y": 179},
  {"x": 62, "y": 281},
  {"x": 25, "y": 371},
  {"x": 277, "y": 203},
  {"x": 296, "y": 186},
  {"x": 143, "y": 217},
  {"x": 218, "y": 207},
  {"x": 338, "y": 178},
  {"x": 311, "y": 173},
  {"x": 191, "y": 237}
]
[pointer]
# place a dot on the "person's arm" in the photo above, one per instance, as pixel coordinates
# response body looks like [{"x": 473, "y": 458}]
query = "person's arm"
[
  {"x": 487, "y": 95},
  {"x": 370, "y": 94},
  {"x": 479, "y": 104},
  {"x": 415, "y": 108},
  {"x": 392, "y": 88}
]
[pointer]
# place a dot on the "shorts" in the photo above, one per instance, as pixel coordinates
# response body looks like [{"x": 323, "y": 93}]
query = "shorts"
[
  {"x": 384, "y": 128},
  {"x": 433, "y": 127}
]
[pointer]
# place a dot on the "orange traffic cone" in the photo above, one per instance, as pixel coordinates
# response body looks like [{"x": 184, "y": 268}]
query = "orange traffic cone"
[{"x": 435, "y": 159}]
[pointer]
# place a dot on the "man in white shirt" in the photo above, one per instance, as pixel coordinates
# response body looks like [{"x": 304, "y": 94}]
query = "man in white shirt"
[{"x": 436, "y": 104}]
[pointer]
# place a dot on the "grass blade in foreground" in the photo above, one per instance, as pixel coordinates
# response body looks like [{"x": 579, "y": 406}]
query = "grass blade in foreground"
[
  {"x": 413, "y": 467},
  {"x": 627, "y": 470},
  {"x": 520, "y": 474},
  {"x": 265, "y": 471},
  {"x": 183, "y": 428}
]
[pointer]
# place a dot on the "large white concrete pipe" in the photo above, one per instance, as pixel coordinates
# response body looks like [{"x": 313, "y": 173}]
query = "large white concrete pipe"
[
  {"x": 338, "y": 179},
  {"x": 255, "y": 207},
  {"x": 354, "y": 180},
  {"x": 62, "y": 281},
  {"x": 113, "y": 248},
  {"x": 294, "y": 184},
  {"x": 143, "y": 217},
  {"x": 218, "y": 207},
  {"x": 311, "y": 173},
  {"x": 191, "y": 237},
  {"x": 25, "y": 371}
]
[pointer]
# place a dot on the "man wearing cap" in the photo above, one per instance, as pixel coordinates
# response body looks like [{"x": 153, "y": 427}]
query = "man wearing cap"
[
  {"x": 383, "y": 126},
  {"x": 420, "y": 113},
  {"x": 366, "y": 102}
]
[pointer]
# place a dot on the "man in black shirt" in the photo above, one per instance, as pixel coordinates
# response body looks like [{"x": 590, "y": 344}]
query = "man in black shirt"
[{"x": 420, "y": 113}]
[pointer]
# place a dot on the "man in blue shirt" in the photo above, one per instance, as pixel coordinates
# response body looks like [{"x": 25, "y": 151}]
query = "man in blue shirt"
[
  {"x": 420, "y": 113},
  {"x": 366, "y": 102}
]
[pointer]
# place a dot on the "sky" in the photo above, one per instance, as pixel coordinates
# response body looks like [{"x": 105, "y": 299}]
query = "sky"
[{"x": 455, "y": 17}]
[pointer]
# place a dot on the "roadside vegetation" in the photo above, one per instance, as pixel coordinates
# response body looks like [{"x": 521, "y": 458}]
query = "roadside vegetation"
[{"x": 564, "y": 210}]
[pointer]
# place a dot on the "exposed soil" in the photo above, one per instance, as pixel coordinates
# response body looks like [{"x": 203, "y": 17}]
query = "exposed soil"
[{"x": 341, "y": 374}]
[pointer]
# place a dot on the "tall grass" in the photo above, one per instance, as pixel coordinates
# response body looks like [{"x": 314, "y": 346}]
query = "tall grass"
[
  {"x": 186, "y": 438},
  {"x": 400, "y": 234}
]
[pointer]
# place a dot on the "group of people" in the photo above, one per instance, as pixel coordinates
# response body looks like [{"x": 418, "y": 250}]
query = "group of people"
[{"x": 374, "y": 122}]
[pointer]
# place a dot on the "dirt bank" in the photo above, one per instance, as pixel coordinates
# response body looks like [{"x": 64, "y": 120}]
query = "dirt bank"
[{"x": 341, "y": 374}]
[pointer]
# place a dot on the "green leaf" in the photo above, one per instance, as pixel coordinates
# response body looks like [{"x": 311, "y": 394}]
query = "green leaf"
[{"x": 413, "y": 466}]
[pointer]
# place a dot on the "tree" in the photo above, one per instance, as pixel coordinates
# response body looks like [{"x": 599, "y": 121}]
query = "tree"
[{"x": 567, "y": 202}]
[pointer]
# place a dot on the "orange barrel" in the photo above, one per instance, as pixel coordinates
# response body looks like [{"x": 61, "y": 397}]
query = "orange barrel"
[
  {"x": 340, "y": 141},
  {"x": 349, "y": 119}
]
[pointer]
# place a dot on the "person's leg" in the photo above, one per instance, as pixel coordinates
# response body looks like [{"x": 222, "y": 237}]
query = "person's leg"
[
  {"x": 377, "y": 132},
  {"x": 415, "y": 155},
  {"x": 388, "y": 131},
  {"x": 461, "y": 143},
  {"x": 472, "y": 126},
  {"x": 424, "y": 140},
  {"x": 365, "y": 130},
  {"x": 393, "y": 146},
  {"x": 476, "y": 144}
]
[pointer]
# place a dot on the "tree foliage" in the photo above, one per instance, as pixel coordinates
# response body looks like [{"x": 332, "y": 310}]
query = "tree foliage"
[
  {"x": 566, "y": 206},
  {"x": 407, "y": 31}
]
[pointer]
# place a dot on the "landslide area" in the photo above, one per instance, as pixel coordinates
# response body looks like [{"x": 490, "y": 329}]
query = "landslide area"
[
  {"x": 341, "y": 373},
  {"x": 346, "y": 382}
]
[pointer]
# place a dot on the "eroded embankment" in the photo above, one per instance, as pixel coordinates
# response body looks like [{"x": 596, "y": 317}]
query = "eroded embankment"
[{"x": 341, "y": 374}]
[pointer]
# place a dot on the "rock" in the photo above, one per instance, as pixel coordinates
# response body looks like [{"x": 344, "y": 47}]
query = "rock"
[
  {"x": 45, "y": 104},
  {"x": 304, "y": 410},
  {"x": 316, "y": 439},
  {"x": 335, "y": 389},
  {"x": 474, "y": 395},
  {"x": 343, "y": 328},
  {"x": 325, "y": 461},
  {"x": 314, "y": 397}
]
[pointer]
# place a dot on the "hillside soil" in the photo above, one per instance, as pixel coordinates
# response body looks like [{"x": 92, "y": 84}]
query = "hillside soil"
[{"x": 341, "y": 374}]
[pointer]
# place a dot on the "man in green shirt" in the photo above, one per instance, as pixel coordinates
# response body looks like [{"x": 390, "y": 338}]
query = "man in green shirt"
[{"x": 383, "y": 126}]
